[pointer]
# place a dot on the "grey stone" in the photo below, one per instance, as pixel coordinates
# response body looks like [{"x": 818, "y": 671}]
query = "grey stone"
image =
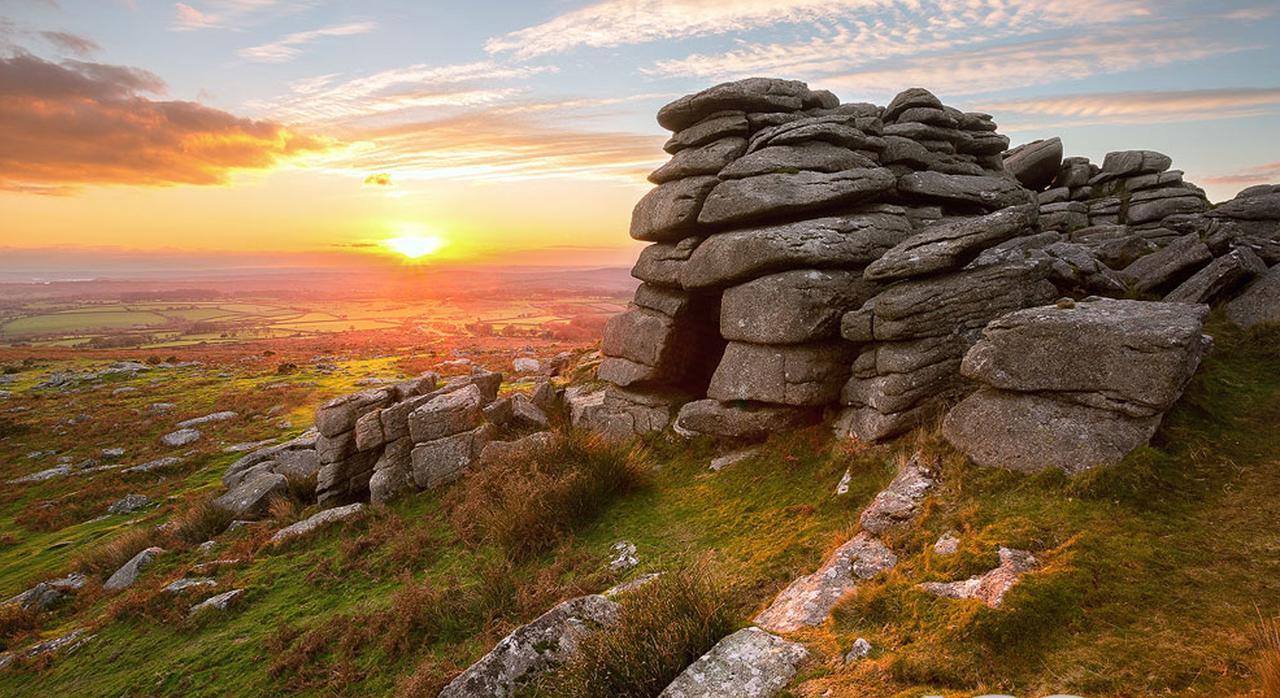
[
  {"x": 1031, "y": 432},
  {"x": 783, "y": 194},
  {"x": 129, "y": 571},
  {"x": 750, "y": 663},
  {"x": 218, "y": 602},
  {"x": 987, "y": 191},
  {"x": 368, "y": 431},
  {"x": 129, "y": 504},
  {"x": 796, "y": 374},
  {"x": 1035, "y": 164},
  {"x": 991, "y": 587},
  {"x": 662, "y": 264},
  {"x": 749, "y": 95},
  {"x": 532, "y": 649},
  {"x": 713, "y": 127},
  {"x": 1167, "y": 267},
  {"x": 1221, "y": 276},
  {"x": 250, "y": 498},
  {"x": 392, "y": 472},
  {"x": 181, "y": 585},
  {"x": 1158, "y": 208},
  {"x": 670, "y": 212},
  {"x": 947, "y": 544},
  {"x": 181, "y": 437},
  {"x": 848, "y": 241},
  {"x": 339, "y": 415},
  {"x": 522, "y": 449},
  {"x": 732, "y": 458},
  {"x": 1257, "y": 206},
  {"x": 951, "y": 244},
  {"x": 1259, "y": 303},
  {"x": 740, "y": 420},
  {"x": 702, "y": 160},
  {"x": 47, "y": 594},
  {"x": 898, "y": 503},
  {"x": 527, "y": 414},
  {"x": 1133, "y": 162},
  {"x": 792, "y": 307},
  {"x": 808, "y": 600},
  {"x": 861, "y": 650},
  {"x": 317, "y": 521},
  {"x": 439, "y": 462},
  {"x": 624, "y": 557},
  {"x": 814, "y": 156},
  {"x": 624, "y": 413},
  {"x": 446, "y": 415},
  {"x": 910, "y": 98},
  {"x": 668, "y": 301},
  {"x": 208, "y": 419}
]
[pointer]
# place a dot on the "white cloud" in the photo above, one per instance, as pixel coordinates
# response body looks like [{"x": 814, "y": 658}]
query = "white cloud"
[{"x": 287, "y": 47}]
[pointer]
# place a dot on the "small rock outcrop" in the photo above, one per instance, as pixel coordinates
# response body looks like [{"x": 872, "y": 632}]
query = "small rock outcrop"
[
  {"x": 129, "y": 571},
  {"x": 1043, "y": 406},
  {"x": 532, "y": 649},
  {"x": 990, "y": 587},
  {"x": 808, "y": 600},
  {"x": 750, "y": 663},
  {"x": 317, "y": 521}
]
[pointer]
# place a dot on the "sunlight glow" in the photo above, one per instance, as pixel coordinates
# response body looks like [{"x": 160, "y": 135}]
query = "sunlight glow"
[{"x": 415, "y": 246}]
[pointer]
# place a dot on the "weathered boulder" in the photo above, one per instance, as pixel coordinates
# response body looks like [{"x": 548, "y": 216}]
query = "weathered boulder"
[
  {"x": 713, "y": 127},
  {"x": 813, "y": 156},
  {"x": 129, "y": 571},
  {"x": 1218, "y": 278},
  {"x": 316, "y": 521},
  {"x": 750, "y": 663},
  {"x": 1035, "y": 164},
  {"x": 1157, "y": 204},
  {"x": 623, "y": 413},
  {"x": 792, "y": 307},
  {"x": 1259, "y": 303},
  {"x": 910, "y": 98},
  {"x": 392, "y": 472},
  {"x": 706, "y": 159},
  {"x": 181, "y": 437},
  {"x": 218, "y": 602},
  {"x": 251, "y": 498},
  {"x": 441, "y": 461},
  {"x": 847, "y": 241},
  {"x": 521, "y": 449},
  {"x": 793, "y": 374},
  {"x": 1259, "y": 205},
  {"x": 662, "y": 264},
  {"x": 447, "y": 414},
  {"x": 740, "y": 420},
  {"x": 950, "y": 244},
  {"x": 532, "y": 649},
  {"x": 129, "y": 504},
  {"x": 339, "y": 415},
  {"x": 670, "y": 211},
  {"x": 990, "y": 192},
  {"x": 1133, "y": 357},
  {"x": 749, "y": 95},
  {"x": 46, "y": 594},
  {"x": 898, "y": 503},
  {"x": 752, "y": 199},
  {"x": 808, "y": 600},
  {"x": 1133, "y": 162}
]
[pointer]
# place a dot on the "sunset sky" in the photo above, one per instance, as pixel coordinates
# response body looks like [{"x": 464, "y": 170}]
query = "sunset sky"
[{"x": 520, "y": 131}]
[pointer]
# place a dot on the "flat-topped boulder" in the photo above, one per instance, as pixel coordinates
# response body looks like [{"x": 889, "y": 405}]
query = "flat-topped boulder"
[
  {"x": 989, "y": 192},
  {"x": 750, "y": 95},
  {"x": 1131, "y": 162},
  {"x": 777, "y": 195},
  {"x": 793, "y": 374},
  {"x": 740, "y": 419},
  {"x": 750, "y": 663},
  {"x": 950, "y": 244},
  {"x": 670, "y": 211},
  {"x": 792, "y": 307}
]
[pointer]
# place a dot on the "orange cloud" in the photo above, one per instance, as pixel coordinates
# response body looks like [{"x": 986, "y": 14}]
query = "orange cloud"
[
  {"x": 381, "y": 179},
  {"x": 87, "y": 123}
]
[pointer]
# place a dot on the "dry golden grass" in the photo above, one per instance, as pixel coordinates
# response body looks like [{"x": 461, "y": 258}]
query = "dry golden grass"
[
  {"x": 1269, "y": 661},
  {"x": 106, "y": 558}
]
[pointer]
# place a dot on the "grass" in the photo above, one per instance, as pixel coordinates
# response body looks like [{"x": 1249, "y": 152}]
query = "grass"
[
  {"x": 1269, "y": 662},
  {"x": 661, "y": 628}
]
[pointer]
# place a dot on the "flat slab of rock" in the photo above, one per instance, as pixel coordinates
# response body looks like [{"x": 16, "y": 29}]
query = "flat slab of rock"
[
  {"x": 1259, "y": 303},
  {"x": 250, "y": 498},
  {"x": 1167, "y": 267},
  {"x": 782, "y": 194},
  {"x": 208, "y": 418},
  {"x": 740, "y": 420},
  {"x": 750, "y": 663},
  {"x": 1219, "y": 277},
  {"x": 898, "y": 503},
  {"x": 1030, "y": 432},
  {"x": 951, "y": 244},
  {"x": 218, "y": 602},
  {"x": 987, "y": 191},
  {"x": 129, "y": 571},
  {"x": 1133, "y": 357},
  {"x": 792, "y": 307},
  {"x": 448, "y": 414},
  {"x": 989, "y": 588},
  {"x": 670, "y": 211},
  {"x": 848, "y": 241},
  {"x": 317, "y": 521},
  {"x": 807, "y": 601},
  {"x": 796, "y": 374},
  {"x": 749, "y": 95},
  {"x": 532, "y": 649},
  {"x": 181, "y": 437},
  {"x": 181, "y": 585}
]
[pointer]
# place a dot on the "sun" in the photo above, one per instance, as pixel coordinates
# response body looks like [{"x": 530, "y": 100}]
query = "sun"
[{"x": 414, "y": 246}]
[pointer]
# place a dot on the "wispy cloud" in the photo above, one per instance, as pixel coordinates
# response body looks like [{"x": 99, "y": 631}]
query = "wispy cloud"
[
  {"x": 1139, "y": 107},
  {"x": 288, "y": 47},
  {"x": 79, "y": 45},
  {"x": 622, "y": 22},
  {"x": 1258, "y": 174},
  {"x": 232, "y": 14},
  {"x": 90, "y": 123}
]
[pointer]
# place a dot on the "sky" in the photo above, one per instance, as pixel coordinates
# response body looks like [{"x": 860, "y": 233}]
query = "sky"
[{"x": 520, "y": 131}]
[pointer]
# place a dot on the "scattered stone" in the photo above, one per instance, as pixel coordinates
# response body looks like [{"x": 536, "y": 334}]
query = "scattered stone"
[
  {"x": 157, "y": 464},
  {"x": 526, "y": 365},
  {"x": 991, "y": 587},
  {"x": 947, "y": 544},
  {"x": 112, "y": 453},
  {"x": 842, "y": 487},
  {"x": 861, "y": 650},
  {"x": 248, "y": 446},
  {"x": 64, "y": 644},
  {"x": 750, "y": 663},
  {"x": 898, "y": 503},
  {"x": 317, "y": 521},
  {"x": 721, "y": 462},
  {"x": 220, "y": 602},
  {"x": 129, "y": 504},
  {"x": 182, "y": 437},
  {"x": 808, "y": 600},
  {"x": 1165, "y": 268},
  {"x": 208, "y": 419},
  {"x": 532, "y": 649},
  {"x": 181, "y": 585},
  {"x": 624, "y": 557},
  {"x": 45, "y": 595},
  {"x": 41, "y": 476},
  {"x": 129, "y": 571},
  {"x": 739, "y": 419}
]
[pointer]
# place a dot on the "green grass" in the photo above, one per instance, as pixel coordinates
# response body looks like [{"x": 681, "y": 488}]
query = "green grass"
[{"x": 80, "y": 321}]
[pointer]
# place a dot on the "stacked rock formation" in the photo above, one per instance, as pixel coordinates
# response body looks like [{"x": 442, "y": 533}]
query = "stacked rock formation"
[
  {"x": 764, "y": 223},
  {"x": 1041, "y": 406},
  {"x": 1134, "y": 224}
]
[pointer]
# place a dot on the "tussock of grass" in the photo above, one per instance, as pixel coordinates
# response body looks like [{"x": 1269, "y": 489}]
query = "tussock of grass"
[
  {"x": 200, "y": 523},
  {"x": 106, "y": 558},
  {"x": 527, "y": 507},
  {"x": 1269, "y": 662},
  {"x": 662, "y": 628},
  {"x": 15, "y": 623}
]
